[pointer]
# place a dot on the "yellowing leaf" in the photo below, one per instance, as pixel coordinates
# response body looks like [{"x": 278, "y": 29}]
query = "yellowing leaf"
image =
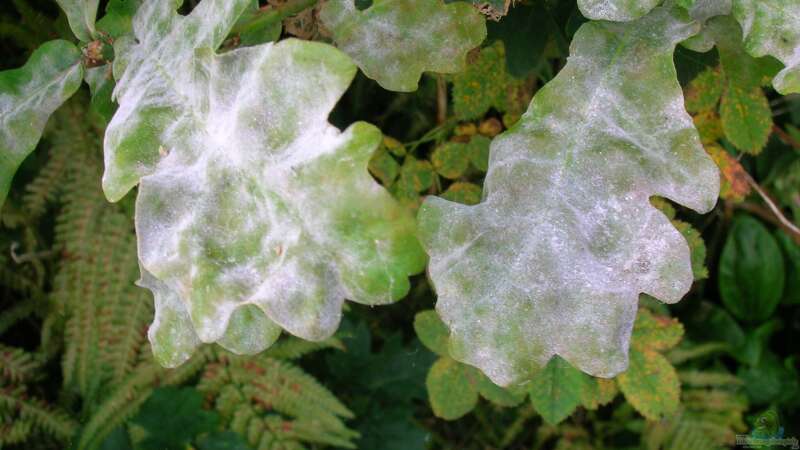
[
  {"x": 451, "y": 390},
  {"x": 462, "y": 192},
  {"x": 651, "y": 332},
  {"x": 650, "y": 384},
  {"x": 704, "y": 91},
  {"x": 485, "y": 84},
  {"x": 553, "y": 260},
  {"x": 734, "y": 178},
  {"x": 746, "y": 118},
  {"x": 450, "y": 159},
  {"x": 394, "y": 41}
]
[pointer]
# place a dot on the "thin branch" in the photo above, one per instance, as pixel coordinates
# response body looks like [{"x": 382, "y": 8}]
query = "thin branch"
[
  {"x": 776, "y": 215},
  {"x": 441, "y": 99},
  {"x": 786, "y": 137}
]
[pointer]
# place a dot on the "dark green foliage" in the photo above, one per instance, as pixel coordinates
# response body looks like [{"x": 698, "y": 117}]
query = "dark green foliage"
[
  {"x": 76, "y": 370},
  {"x": 751, "y": 274}
]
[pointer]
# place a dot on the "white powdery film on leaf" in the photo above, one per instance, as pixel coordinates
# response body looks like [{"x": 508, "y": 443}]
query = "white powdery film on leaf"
[
  {"x": 553, "y": 260},
  {"x": 395, "y": 41},
  {"x": 772, "y": 27},
  {"x": 28, "y": 95},
  {"x": 254, "y": 214},
  {"x": 616, "y": 10}
]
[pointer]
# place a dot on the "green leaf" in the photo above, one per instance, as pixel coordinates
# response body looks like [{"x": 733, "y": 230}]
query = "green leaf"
[
  {"x": 222, "y": 440},
  {"x": 462, "y": 192},
  {"x": 28, "y": 96},
  {"x": 118, "y": 19},
  {"x": 484, "y": 85},
  {"x": 650, "y": 384},
  {"x": 172, "y": 417},
  {"x": 597, "y": 392},
  {"x": 478, "y": 150},
  {"x": 394, "y": 41},
  {"x": 751, "y": 272},
  {"x": 383, "y": 166},
  {"x": 381, "y": 387},
  {"x": 746, "y": 118},
  {"x": 792, "y": 253},
  {"x": 249, "y": 198},
  {"x": 81, "y": 15},
  {"x": 451, "y": 389},
  {"x": 744, "y": 110},
  {"x": 416, "y": 175},
  {"x": 566, "y": 239},
  {"x": 697, "y": 249},
  {"x": 616, "y": 10},
  {"x": 772, "y": 27},
  {"x": 450, "y": 159},
  {"x": 101, "y": 86},
  {"x": 524, "y": 38},
  {"x": 431, "y": 331},
  {"x": 506, "y": 397},
  {"x": 557, "y": 390}
]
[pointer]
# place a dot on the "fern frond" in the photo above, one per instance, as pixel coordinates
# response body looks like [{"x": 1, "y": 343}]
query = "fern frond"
[
  {"x": 19, "y": 311},
  {"x": 709, "y": 418},
  {"x": 46, "y": 186},
  {"x": 291, "y": 347},
  {"x": 15, "y": 403},
  {"x": 126, "y": 399},
  {"x": 17, "y": 365},
  {"x": 269, "y": 400}
]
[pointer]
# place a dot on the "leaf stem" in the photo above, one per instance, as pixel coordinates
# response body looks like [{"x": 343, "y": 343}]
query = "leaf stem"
[
  {"x": 779, "y": 218},
  {"x": 267, "y": 17},
  {"x": 786, "y": 137}
]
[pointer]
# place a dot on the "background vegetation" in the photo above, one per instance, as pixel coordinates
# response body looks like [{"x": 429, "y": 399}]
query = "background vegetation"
[{"x": 76, "y": 369}]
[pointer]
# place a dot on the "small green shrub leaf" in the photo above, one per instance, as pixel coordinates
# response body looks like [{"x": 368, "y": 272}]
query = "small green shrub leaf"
[
  {"x": 451, "y": 388},
  {"x": 431, "y": 331},
  {"x": 450, "y": 159},
  {"x": 650, "y": 384},
  {"x": 28, "y": 96},
  {"x": 751, "y": 271},
  {"x": 484, "y": 84},
  {"x": 395, "y": 41},
  {"x": 566, "y": 239},
  {"x": 557, "y": 390},
  {"x": 463, "y": 192},
  {"x": 506, "y": 397}
]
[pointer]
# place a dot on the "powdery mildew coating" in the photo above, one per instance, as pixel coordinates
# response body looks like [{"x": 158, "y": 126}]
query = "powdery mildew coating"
[
  {"x": 553, "y": 260},
  {"x": 394, "y": 41},
  {"x": 772, "y": 27},
  {"x": 616, "y": 10},
  {"x": 254, "y": 214},
  {"x": 28, "y": 96}
]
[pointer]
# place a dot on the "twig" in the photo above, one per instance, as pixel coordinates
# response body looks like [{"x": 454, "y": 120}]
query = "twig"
[
  {"x": 786, "y": 137},
  {"x": 441, "y": 99},
  {"x": 777, "y": 216}
]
